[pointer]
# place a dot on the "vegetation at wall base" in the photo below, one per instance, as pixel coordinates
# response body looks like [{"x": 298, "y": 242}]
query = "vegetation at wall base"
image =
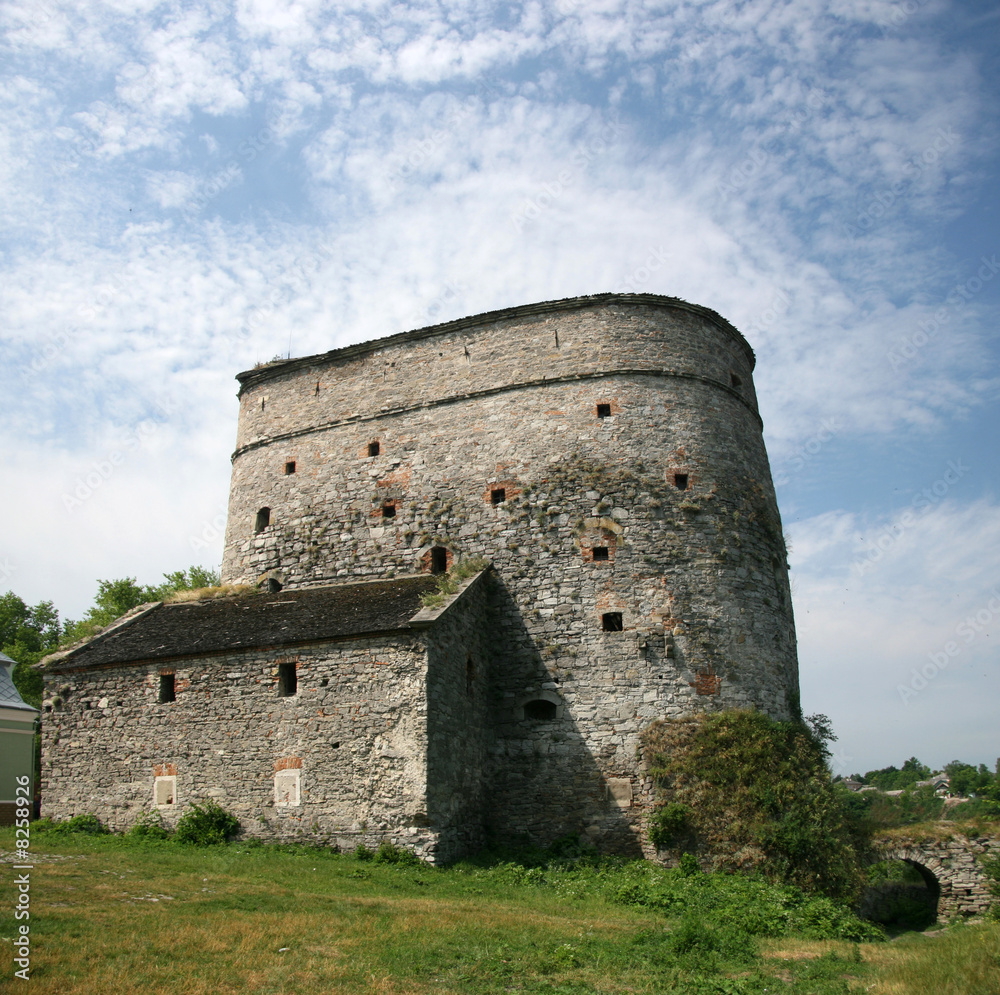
[
  {"x": 279, "y": 920},
  {"x": 758, "y": 798}
]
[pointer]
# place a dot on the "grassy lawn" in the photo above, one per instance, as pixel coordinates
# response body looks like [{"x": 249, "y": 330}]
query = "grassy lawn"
[{"x": 114, "y": 918}]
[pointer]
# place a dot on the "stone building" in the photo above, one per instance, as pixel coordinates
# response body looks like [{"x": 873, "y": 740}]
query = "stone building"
[{"x": 598, "y": 466}]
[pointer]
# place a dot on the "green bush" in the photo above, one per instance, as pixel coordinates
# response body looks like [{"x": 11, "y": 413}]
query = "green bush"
[
  {"x": 149, "y": 826},
  {"x": 206, "y": 825},
  {"x": 388, "y": 853},
  {"x": 757, "y": 798},
  {"x": 667, "y": 823},
  {"x": 87, "y": 824}
]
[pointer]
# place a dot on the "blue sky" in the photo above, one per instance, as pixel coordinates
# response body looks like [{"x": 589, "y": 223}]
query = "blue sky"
[{"x": 191, "y": 188}]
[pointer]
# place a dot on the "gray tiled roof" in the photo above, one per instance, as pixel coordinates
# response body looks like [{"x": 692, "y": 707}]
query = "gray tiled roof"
[
  {"x": 10, "y": 697},
  {"x": 291, "y": 616}
]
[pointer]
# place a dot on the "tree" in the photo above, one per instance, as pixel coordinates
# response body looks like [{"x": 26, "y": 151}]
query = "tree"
[
  {"x": 27, "y": 633},
  {"x": 116, "y": 597}
]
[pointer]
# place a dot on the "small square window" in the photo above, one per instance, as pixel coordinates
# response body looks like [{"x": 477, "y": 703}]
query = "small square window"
[
  {"x": 612, "y": 622},
  {"x": 287, "y": 680},
  {"x": 262, "y": 520},
  {"x": 498, "y": 495},
  {"x": 600, "y": 552},
  {"x": 374, "y": 448},
  {"x": 167, "y": 688},
  {"x": 603, "y": 410},
  {"x": 681, "y": 481},
  {"x": 734, "y": 380},
  {"x": 290, "y": 467},
  {"x": 388, "y": 511}
]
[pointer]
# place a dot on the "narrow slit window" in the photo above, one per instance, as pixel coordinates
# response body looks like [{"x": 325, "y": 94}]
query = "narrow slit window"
[
  {"x": 470, "y": 676},
  {"x": 388, "y": 511},
  {"x": 498, "y": 495},
  {"x": 600, "y": 552},
  {"x": 612, "y": 622},
  {"x": 439, "y": 560},
  {"x": 262, "y": 520},
  {"x": 374, "y": 448},
  {"x": 603, "y": 410},
  {"x": 168, "y": 691},
  {"x": 287, "y": 680},
  {"x": 290, "y": 467},
  {"x": 681, "y": 481}
]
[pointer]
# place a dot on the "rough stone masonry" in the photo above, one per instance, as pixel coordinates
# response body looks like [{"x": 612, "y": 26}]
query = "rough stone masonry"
[{"x": 599, "y": 458}]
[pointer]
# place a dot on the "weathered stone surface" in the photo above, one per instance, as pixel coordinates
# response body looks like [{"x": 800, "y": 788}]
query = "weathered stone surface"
[{"x": 605, "y": 455}]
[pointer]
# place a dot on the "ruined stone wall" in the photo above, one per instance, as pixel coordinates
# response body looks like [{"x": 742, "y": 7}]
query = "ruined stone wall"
[
  {"x": 355, "y": 730},
  {"x": 628, "y": 426}
]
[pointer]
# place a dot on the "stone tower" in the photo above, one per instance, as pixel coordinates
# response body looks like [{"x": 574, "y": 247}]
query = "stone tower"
[{"x": 605, "y": 454}]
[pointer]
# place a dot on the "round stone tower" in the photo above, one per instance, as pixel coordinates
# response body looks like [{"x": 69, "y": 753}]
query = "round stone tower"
[{"x": 605, "y": 454}]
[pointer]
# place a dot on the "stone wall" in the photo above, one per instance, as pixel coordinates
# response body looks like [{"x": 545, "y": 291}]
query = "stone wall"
[
  {"x": 954, "y": 861},
  {"x": 531, "y": 438},
  {"x": 355, "y": 729}
]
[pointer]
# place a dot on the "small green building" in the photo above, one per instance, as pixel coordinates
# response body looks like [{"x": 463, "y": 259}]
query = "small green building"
[{"x": 17, "y": 739}]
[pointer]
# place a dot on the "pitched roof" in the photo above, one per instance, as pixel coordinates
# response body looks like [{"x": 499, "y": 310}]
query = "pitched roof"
[
  {"x": 10, "y": 697},
  {"x": 312, "y": 614}
]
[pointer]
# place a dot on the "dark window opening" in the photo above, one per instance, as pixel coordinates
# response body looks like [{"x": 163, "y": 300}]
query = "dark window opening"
[
  {"x": 262, "y": 402},
  {"x": 540, "y": 710},
  {"x": 681, "y": 481},
  {"x": 612, "y": 622},
  {"x": 498, "y": 495},
  {"x": 317, "y": 386},
  {"x": 323, "y": 683},
  {"x": 263, "y": 520},
  {"x": 439, "y": 560},
  {"x": 600, "y": 552},
  {"x": 167, "y": 689},
  {"x": 335, "y": 746},
  {"x": 273, "y": 586},
  {"x": 734, "y": 380},
  {"x": 470, "y": 676},
  {"x": 287, "y": 681},
  {"x": 290, "y": 466},
  {"x": 603, "y": 410},
  {"x": 374, "y": 448},
  {"x": 388, "y": 511}
]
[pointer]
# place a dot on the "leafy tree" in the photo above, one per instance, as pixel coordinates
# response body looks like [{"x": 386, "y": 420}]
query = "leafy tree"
[
  {"x": 116, "y": 597},
  {"x": 27, "y": 633},
  {"x": 895, "y": 778},
  {"x": 967, "y": 780}
]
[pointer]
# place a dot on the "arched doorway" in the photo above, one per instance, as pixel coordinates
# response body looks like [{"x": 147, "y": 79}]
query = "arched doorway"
[{"x": 901, "y": 894}]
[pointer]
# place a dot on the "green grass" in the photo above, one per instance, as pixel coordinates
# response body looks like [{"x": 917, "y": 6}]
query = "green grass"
[{"x": 114, "y": 916}]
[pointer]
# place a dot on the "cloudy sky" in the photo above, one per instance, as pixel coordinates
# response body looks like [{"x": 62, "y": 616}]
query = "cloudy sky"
[{"x": 190, "y": 188}]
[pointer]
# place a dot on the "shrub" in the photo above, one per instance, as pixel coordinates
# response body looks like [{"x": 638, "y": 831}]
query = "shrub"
[
  {"x": 667, "y": 823},
  {"x": 206, "y": 825},
  {"x": 758, "y": 798},
  {"x": 388, "y": 853},
  {"x": 87, "y": 824},
  {"x": 149, "y": 826}
]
